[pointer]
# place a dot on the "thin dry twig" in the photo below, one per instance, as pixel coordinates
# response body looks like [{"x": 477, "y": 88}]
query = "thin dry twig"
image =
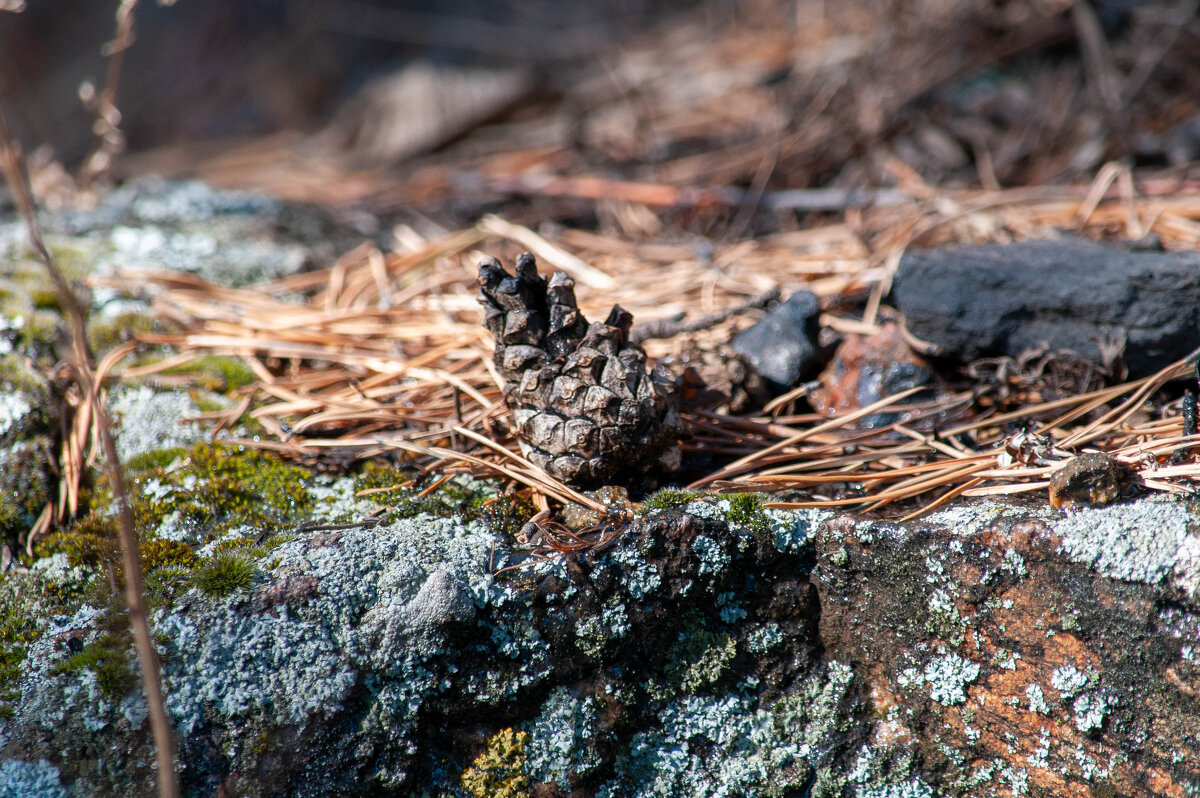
[{"x": 88, "y": 377}]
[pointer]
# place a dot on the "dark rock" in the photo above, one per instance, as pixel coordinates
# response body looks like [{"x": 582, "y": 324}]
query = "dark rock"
[
  {"x": 1073, "y": 295},
  {"x": 782, "y": 345},
  {"x": 1092, "y": 479}
]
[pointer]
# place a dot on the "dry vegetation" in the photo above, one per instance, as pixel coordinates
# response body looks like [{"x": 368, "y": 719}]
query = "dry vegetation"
[{"x": 673, "y": 167}]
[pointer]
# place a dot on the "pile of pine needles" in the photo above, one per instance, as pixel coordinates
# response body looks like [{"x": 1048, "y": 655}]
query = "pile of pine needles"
[{"x": 384, "y": 353}]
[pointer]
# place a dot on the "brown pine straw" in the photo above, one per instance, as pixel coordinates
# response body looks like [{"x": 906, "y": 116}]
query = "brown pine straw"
[{"x": 384, "y": 352}]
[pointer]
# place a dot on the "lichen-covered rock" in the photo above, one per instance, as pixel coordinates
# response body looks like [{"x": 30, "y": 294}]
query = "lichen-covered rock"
[{"x": 586, "y": 409}]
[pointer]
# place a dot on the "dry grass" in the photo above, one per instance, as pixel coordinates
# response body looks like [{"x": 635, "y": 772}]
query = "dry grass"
[{"x": 385, "y": 352}]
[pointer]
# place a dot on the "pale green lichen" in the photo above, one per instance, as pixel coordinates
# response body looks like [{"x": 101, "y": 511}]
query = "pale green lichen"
[
  {"x": 30, "y": 780},
  {"x": 563, "y": 739}
]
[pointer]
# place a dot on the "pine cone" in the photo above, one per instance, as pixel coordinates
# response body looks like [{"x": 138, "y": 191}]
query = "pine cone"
[{"x": 586, "y": 410}]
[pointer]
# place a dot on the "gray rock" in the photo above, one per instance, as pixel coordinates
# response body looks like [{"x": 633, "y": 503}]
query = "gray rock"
[
  {"x": 782, "y": 345},
  {"x": 993, "y": 300}
]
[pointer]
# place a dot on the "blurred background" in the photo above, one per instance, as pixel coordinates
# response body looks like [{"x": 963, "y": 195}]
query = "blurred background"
[{"x": 641, "y": 116}]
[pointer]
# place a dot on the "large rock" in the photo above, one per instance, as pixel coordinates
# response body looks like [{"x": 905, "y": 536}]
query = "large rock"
[
  {"x": 983, "y": 301},
  {"x": 715, "y": 649}
]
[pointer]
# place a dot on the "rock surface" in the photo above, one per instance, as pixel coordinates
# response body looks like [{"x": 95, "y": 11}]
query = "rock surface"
[
  {"x": 782, "y": 344},
  {"x": 715, "y": 649},
  {"x": 991, "y": 300}
]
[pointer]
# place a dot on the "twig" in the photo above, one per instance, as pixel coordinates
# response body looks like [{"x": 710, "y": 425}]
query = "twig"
[
  {"x": 85, "y": 375},
  {"x": 109, "y": 140}
]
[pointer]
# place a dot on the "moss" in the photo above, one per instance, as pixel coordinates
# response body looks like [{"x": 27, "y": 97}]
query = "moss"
[
  {"x": 224, "y": 574},
  {"x": 44, "y": 298},
  {"x": 671, "y": 499},
  {"x": 213, "y": 488},
  {"x": 155, "y": 460},
  {"x": 122, "y": 328},
  {"x": 85, "y": 547},
  {"x": 165, "y": 584},
  {"x": 500, "y": 772},
  {"x": 746, "y": 511},
  {"x": 216, "y": 373},
  {"x": 233, "y": 544},
  {"x": 162, "y": 553},
  {"x": 26, "y": 487},
  {"x": 508, "y": 513},
  {"x": 108, "y": 659},
  {"x": 470, "y": 503}
]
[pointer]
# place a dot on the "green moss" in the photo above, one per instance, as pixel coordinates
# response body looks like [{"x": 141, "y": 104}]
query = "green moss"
[
  {"x": 122, "y": 328},
  {"x": 746, "y": 511},
  {"x": 469, "y": 503},
  {"x": 85, "y": 546},
  {"x": 44, "y": 298},
  {"x": 671, "y": 499},
  {"x": 155, "y": 460},
  {"x": 26, "y": 487},
  {"x": 162, "y": 553},
  {"x": 500, "y": 771},
  {"x": 224, "y": 573},
  {"x": 216, "y": 373},
  {"x": 164, "y": 585},
  {"x": 108, "y": 659},
  {"x": 212, "y": 489},
  {"x": 233, "y": 544},
  {"x": 506, "y": 514}
]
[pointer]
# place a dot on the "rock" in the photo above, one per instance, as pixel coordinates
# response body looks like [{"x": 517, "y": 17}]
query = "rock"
[
  {"x": 1092, "y": 479},
  {"x": 865, "y": 369},
  {"x": 714, "y": 648},
  {"x": 782, "y": 344},
  {"x": 586, "y": 409},
  {"x": 1028, "y": 653},
  {"x": 992, "y": 300}
]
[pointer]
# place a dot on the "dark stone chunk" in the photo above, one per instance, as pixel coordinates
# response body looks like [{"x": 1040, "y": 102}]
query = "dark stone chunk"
[
  {"x": 992, "y": 300},
  {"x": 782, "y": 345},
  {"x": 1092, "y": 479}
]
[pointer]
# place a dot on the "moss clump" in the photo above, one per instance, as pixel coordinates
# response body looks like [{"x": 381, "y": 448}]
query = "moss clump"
[
  {"x": 217, "y": 488},
  {"x": 162, "y": 553},
  {"x": 155, "y": 460},
  {"x": 499, "y": 772},
  {"x": 508, "y": 513},
  {"x": 85, "y": 546},
  {"x": 25, "y": 487},
  {"x": 671, "y": 499},
  {"x": 746, "y": 510},
  {"x": 122, "y": 328},
  {"x": 108, "y": 659},
  {"x": 216, "y": 373},
  {"x": 233, "y": 544},
  {"x": 164, "y": 585},
  {"x": 225, "y": 573}
]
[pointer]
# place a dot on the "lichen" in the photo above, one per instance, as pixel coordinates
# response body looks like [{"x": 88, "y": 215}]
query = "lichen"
[
  {"x": 500, "y": 772},
  {"x": 563, "y": 739}
]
